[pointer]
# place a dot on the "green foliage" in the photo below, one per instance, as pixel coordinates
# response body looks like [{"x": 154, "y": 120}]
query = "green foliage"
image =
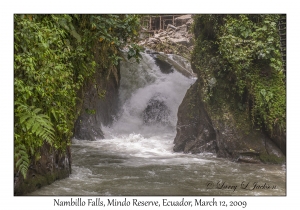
[
  {"x": 134, "y": 52},
  {"x": 90, "y": 111},
  {"x": 34, "y": 123},
  {"x": 21, "y": 158},
  {"x": 54, "y": 56},
  {"x": 242, "y": 41},
  {"x": 242, "y": 53}
]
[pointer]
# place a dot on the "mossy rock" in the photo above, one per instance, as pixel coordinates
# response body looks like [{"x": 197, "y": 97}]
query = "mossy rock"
[
  {"x": 273, "y": 159},
  {"x": 36, "y": 181}
]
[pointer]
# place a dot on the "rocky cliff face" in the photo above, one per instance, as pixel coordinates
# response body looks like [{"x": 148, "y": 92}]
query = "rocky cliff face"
[
  {"x": 195, "y": 132},
  {"x": 100, "y": 105},
  {"x": 222, "y": 130}
]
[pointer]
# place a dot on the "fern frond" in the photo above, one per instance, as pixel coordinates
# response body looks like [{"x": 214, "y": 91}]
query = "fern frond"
[
  {"x": 37, "y": 110},
  {"x": 35, "y": 128},
  {"x": 22, "y": 159},
  {"x": 29, "y": 123},
  {"x": 39, "y": 124},
  {"x": 54, "y": 115},
  {"x": 24, "y": 117}
]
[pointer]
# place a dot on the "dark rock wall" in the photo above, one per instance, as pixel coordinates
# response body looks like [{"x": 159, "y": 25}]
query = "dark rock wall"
[
  {"x": 99, "y": 106},
  {"x": 51, "y": 166},
  {"x": 279, "y": 138},
  {"x": 194, "y": 129},
  {"x": 221, "y": 130}
]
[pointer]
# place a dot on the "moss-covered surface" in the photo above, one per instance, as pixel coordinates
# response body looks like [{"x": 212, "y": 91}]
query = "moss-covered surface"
[
  {"x": 238, "y": 63},
  {"x": 240, "y": 95},
  {"x": 49, "y": 167},
  {"x": 37, "y": 181},
  {"x": 267, "y": 158}
]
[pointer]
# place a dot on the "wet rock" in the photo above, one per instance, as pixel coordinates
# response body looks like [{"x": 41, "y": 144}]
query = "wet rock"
[
  {"x": 99, "y": 106},
  {"x": 156, "y": 112},
  {"x": 194, "y": 128},
  {"x": 247, "y": 159},
  {"x": 194, "y": 147},
  {"x": 279, "y": 138},
  {"x": 87, "y": 129},
  {"x": 164, "y": 66},
  {"x": 50, "y": 166},
  {"x": 181, "y": 64},
  {"x": 201, "y": 128}
]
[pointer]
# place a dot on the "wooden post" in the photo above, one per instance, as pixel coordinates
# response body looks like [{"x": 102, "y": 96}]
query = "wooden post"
[
  {"x": 150, "y": 25},
  {"x": 173, "y": 20},
  {"x": 159, "y": 22}
]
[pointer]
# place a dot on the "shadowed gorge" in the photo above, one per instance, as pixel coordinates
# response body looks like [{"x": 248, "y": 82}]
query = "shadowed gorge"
[{"x": 126, "y": 105}]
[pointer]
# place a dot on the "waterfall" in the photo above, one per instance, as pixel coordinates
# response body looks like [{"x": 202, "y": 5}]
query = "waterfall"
[{"x": 150, "y": 96}]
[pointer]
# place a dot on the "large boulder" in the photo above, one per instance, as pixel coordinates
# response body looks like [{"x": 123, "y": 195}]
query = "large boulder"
[
  {"x": 156, "y": 112},
  {"x": 195, "y": 132},
  {"x": 222, "y": 130},
  {"x": 163, "y": 65}
]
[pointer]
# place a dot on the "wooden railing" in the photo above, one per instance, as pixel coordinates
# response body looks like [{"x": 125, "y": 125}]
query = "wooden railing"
[
  {"x": 153, "y": 23},
  {"x": 282, "y": 34}
]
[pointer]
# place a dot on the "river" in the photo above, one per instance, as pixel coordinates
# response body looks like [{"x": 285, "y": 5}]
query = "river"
[{"x": 136, "y": 157}]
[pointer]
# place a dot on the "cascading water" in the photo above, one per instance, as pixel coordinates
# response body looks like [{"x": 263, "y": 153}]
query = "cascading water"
[
  {"x": 136, "y": 156},
  {"x": 150, "y": 99}
]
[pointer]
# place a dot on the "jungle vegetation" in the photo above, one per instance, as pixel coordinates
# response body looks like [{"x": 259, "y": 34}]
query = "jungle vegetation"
[
  {"x": 240, "y": 57},
  {"x": 53, "y": 57}
]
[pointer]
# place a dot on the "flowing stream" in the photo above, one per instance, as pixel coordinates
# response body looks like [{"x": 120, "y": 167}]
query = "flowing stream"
[{"x": 136, "y": 157}]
